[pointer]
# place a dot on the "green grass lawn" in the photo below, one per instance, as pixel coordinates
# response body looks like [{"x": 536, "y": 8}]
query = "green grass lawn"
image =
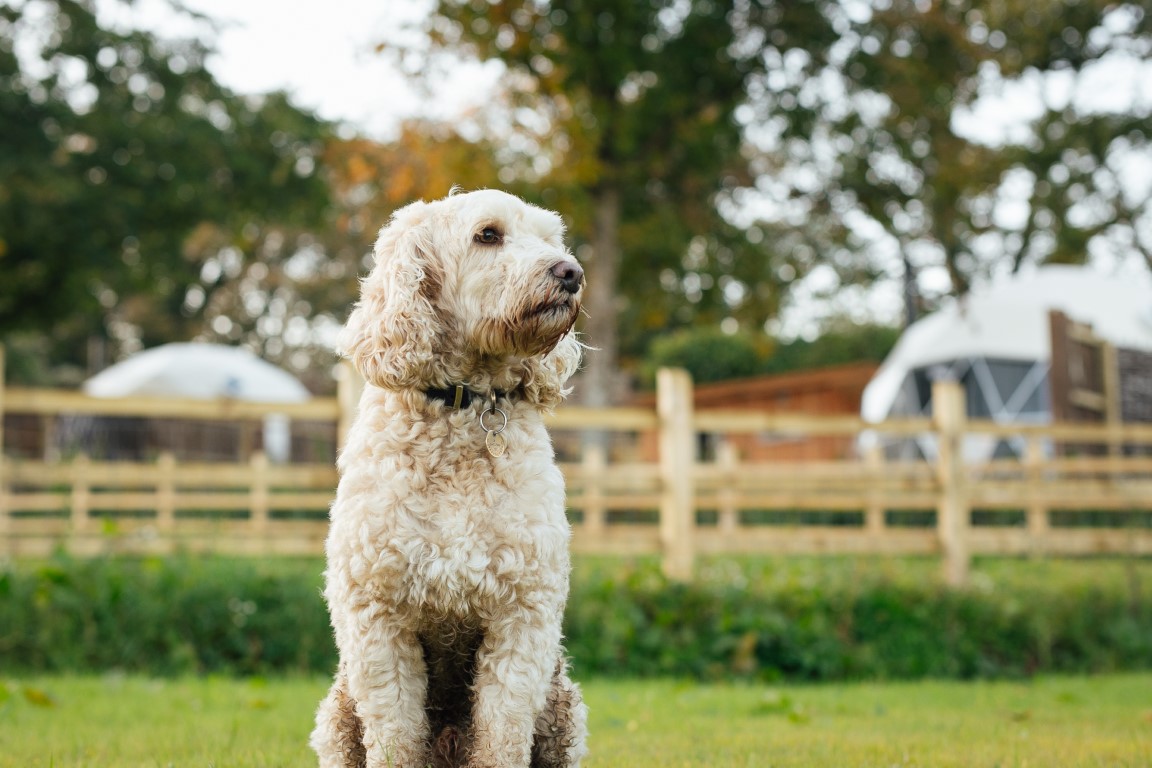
[{"x": 126, "y": 721}]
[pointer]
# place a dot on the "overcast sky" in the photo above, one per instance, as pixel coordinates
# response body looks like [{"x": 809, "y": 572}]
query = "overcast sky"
[{"x": 321, "y": 52}]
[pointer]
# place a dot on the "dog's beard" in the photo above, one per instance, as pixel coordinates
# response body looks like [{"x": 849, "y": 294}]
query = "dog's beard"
[
  {"x": 543, "y": 325},
  {"x": 540, "y": 333},
  {"x": 533, "y": 331}
]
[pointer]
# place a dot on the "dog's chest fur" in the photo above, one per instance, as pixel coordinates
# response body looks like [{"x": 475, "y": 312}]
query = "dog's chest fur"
[{"x": 450, "y": 529}]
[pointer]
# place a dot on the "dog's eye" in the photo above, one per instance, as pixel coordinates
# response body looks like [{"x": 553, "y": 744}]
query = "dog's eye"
[{"x": 489, "y": 236}]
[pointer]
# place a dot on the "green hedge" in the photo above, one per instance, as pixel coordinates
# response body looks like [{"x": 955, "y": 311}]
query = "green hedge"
[
  {"x": 179, "y": 615},
  {"x": 163, "y": 616},
  {"x": 877, "y": 629}
]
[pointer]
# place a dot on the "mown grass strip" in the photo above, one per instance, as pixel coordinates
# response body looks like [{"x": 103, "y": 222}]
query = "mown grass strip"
[{"x": 1073, "y": 722}]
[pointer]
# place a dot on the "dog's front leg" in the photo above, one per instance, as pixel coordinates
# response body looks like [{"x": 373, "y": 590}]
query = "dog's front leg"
[
  {"x": 514, "y": 670},
  {"x": 388, "y": 681}
]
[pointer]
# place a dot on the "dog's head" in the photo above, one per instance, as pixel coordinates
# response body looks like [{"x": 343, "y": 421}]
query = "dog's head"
[{"x": 476, "y": 288}]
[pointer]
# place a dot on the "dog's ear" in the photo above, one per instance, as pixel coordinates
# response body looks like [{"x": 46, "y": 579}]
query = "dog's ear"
[
  {"x": 391, "y": 332},
  {"x": 545, "y": 375}
]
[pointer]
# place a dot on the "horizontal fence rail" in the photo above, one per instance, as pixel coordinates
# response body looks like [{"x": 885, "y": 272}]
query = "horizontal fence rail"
[
  {"x": 1067, "y": 489},
  {"x": 48, "y": 402}
]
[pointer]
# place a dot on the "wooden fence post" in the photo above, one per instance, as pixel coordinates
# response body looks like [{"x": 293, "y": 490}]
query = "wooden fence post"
[
  {"x": 952, "y": 508},
  {"x": 259, "y": 493},
  {"x": 349, "y": 386},
  {"x": 875, "y": 512},
  {"x": 727, "y": 514},
  {"x": 81, "y": 493},
  {"x": 1110, "y": 384},
  {"x": 166, "y": 493},
  {"x": 592, "y": 466},
  {"x": 677, "y": 469},
  {"x": 1037, "y": 511}
]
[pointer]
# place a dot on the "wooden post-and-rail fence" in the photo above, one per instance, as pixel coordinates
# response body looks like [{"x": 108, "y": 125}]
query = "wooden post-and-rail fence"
[{"x": 1061, "y": 489}]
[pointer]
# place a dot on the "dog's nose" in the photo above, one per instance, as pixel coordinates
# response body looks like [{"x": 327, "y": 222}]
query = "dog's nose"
[{"x": 570, "y": 275}]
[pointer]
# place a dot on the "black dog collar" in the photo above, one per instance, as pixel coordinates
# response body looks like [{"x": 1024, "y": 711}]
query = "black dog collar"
[{"x": 457, "y": 396}]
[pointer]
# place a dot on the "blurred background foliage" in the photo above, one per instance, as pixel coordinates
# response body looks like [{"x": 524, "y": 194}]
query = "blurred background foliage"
[
  {"x": 710, "y": 354},
  {"x": 717, "y": 163},
  {"x": 141, "y": 202}
]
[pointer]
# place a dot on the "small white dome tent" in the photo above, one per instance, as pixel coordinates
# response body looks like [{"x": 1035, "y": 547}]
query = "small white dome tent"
[
  {"x": 997, "y": 344},
  {"x": 200, "y": 371}
]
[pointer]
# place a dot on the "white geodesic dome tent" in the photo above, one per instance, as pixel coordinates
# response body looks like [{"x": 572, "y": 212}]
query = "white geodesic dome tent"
[{"x": 997, "y": 344}]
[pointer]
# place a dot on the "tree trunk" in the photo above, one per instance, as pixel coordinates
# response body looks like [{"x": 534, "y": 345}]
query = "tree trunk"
[
  {"x": 600, "y": 383},
  {"x": 911, "y": 293}
]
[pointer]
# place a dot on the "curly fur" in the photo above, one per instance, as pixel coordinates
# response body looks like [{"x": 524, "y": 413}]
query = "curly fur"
[{"x": 447, "y": 567}]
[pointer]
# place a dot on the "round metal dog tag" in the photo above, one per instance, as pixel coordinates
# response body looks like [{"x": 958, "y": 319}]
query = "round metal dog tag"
[{"x": 495, "y": 443}]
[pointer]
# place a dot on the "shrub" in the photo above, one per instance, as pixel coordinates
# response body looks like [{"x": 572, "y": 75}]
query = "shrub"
[
  {"x": 708, "y": 354},
  {"x": 163, "y": 616},
  {"x": 218, "y": 615}
]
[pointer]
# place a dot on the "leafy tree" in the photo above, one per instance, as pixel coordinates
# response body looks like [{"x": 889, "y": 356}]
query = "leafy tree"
[
  {"x": 708, "y": 354},
  {"x": 889, "y": 163},
  {"x": 142, "y": 202},
  {"x": 624, "y": 115},
  {"x": 369, "y": 180},
  {"x": 842, "y": 343}
]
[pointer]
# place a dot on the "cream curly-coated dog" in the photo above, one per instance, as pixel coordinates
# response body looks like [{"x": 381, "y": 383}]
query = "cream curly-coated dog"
[{"x": 447, "y": 554}]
